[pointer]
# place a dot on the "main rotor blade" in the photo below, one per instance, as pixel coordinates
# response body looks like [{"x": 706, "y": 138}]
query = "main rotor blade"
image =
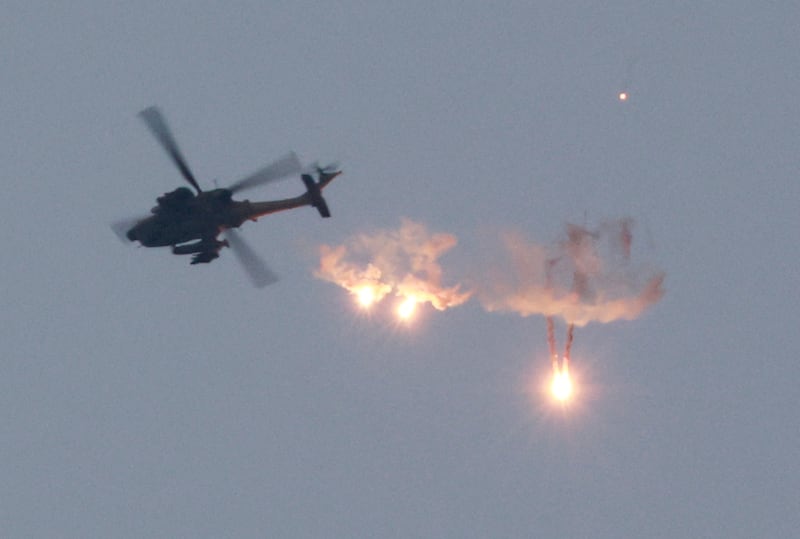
[
  {"x": 258, "y": 271},
  {"x": 158, "y": 126},
  {"x": 285, "y": 166}
]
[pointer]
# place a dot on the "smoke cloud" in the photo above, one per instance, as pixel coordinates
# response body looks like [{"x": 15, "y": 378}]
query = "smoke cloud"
[
  {"x": 586, "y": 277},
  {"x": 403, "y": 261}
]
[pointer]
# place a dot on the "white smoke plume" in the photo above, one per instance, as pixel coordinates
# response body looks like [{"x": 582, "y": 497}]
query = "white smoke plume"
[
  {"x": 586, "y": 277},
  {"x": 403, "y": 261}
]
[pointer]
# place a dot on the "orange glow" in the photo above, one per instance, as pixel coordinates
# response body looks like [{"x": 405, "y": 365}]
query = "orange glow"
[
  {"x": 407, "y": 308},
  {"x": 623, "y": 96}
]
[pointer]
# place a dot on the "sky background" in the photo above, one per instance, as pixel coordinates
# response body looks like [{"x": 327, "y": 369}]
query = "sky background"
[{"x": 143, "y": 397}]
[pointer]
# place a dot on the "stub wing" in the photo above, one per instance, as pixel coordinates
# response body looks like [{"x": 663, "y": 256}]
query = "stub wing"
[{"x": 204, "y": 251}]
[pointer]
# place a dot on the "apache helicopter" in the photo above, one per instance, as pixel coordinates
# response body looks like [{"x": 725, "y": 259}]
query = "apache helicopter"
[{"x": 190, "y": 223}]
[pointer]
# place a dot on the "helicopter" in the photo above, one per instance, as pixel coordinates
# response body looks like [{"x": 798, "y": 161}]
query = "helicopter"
[{"x": 190, "y": 222}]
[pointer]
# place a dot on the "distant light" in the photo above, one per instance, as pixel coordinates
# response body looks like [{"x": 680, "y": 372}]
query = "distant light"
[
  {"x": 623, "y": 96},
  {"x": 407, "y": 308}
]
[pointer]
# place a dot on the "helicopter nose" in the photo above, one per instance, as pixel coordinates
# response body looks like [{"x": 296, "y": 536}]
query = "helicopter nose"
[{"x": 131, "y": 234}]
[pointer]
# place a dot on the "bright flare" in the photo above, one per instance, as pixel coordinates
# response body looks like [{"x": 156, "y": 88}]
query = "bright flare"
[
  {"x": 623, "y": 96},
  {"x": 561, "y": 386},
  {"x": 407, "y": 308},
  {"x": 366, "y": 296}
]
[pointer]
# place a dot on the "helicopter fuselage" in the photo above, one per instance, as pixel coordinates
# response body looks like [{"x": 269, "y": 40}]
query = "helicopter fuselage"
[{"x": 181, "y": 216}]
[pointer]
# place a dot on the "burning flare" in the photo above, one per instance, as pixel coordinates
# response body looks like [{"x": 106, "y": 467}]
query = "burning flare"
[
  {"x": 405, "y": 261},
  {"x": 364, "y": 283},
  {"x": 561, "y": 387},
  {"x": 366, "y": 296},
  {"x": 407, "y": 308}
]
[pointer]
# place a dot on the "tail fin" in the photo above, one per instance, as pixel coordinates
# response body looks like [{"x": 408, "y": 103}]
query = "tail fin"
[{"x": 314, "y": 191}]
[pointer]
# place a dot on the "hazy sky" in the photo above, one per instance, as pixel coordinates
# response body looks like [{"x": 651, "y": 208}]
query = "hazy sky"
[{"x": 144, "y": 397}]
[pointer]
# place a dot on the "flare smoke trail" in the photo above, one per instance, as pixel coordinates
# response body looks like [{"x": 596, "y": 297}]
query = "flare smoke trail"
[
  {"x": 626, "y": 237},
  {"x": 551, "y": 342},
  {"x": 568, "y": 345},
  {"x": 404, "y": 261},
  {"x": 586, "y": 277}
]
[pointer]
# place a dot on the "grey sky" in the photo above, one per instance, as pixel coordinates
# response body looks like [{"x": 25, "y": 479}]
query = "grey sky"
[{"x": 142, "y": 397}]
